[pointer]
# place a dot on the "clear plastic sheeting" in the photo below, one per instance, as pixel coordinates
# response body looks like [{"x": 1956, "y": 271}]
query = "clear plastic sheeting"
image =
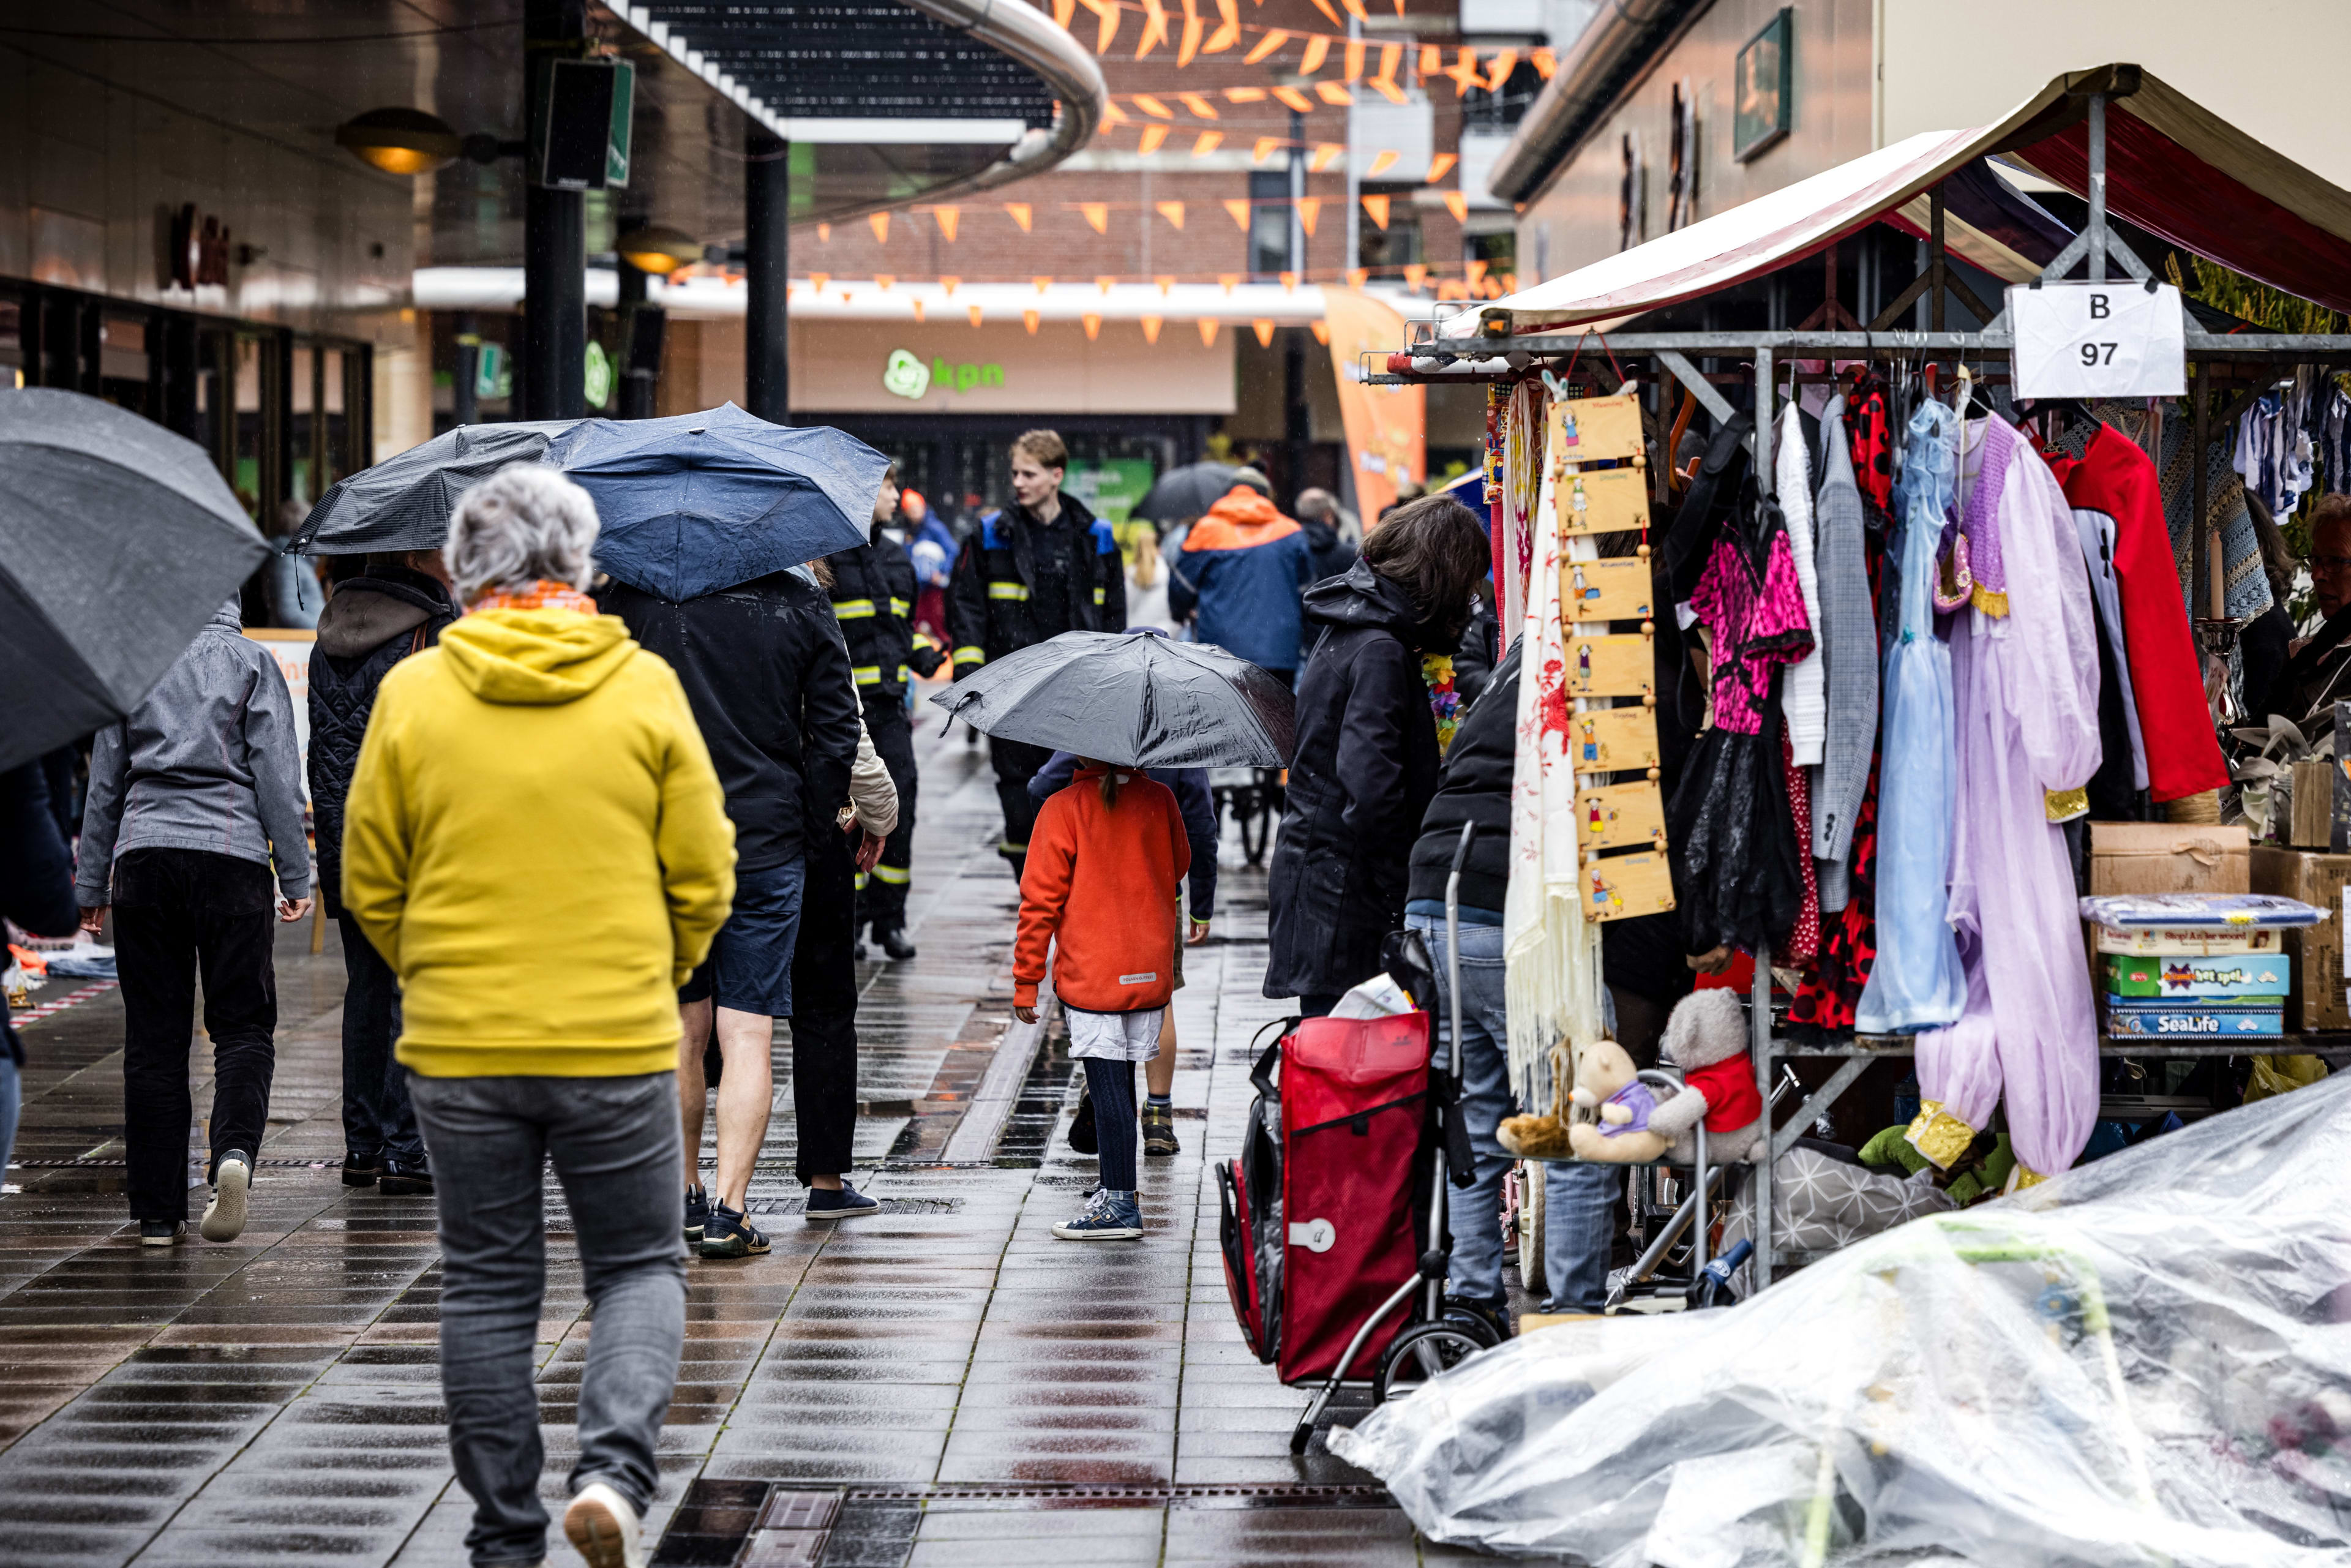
[{"x": 2147, "y": 1360}]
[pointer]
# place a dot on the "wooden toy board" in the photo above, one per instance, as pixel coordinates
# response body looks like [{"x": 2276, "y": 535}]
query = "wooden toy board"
[
  {"x": 1618, "y": 887},
  {"x": 1615, "y": 590},
  {"x": 1613, "y": 816},
  {"x": 1602, "y": 501},
  {"x": 1593, "y": 429},
  {"x": 1611, "y": 666},
  {"x": 1608, "y": 740}
]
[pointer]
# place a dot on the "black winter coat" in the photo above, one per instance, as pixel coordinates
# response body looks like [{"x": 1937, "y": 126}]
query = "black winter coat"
[
  {"x": 1364, "y": 771},
  {"x": 1475, "y": 787},
  {"x": 372, "y": 623},
  {"x": 1332, "y": 555},
  {"x": 36, "y": 874},
  {"x": 873, "y": 599},
  {"x": 765, "y": 667},
  {"x": 991, "y": 597}
]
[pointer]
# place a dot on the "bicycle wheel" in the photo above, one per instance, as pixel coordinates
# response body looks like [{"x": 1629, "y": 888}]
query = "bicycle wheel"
[{"x": 1531, "y": 1230}]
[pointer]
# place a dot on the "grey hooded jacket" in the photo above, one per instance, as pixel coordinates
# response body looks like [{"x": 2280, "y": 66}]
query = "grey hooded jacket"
[{"x": 207, "y": 760}]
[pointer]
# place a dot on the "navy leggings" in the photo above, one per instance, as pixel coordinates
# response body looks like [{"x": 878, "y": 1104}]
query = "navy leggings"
[{"x": 1112, "y": 1085}]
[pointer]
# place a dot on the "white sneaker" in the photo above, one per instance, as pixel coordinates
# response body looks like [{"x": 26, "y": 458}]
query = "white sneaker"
[
  {"x": 224, "y": 1215},
  {"x": 604, "y": 1528}
]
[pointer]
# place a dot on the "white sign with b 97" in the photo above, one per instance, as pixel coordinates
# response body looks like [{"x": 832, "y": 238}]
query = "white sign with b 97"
[{"x": 2098, "y": 340}]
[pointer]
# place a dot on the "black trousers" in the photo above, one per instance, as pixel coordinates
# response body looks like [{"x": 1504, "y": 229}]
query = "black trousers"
[
  {"x": 882, "y": 890},
  {"x": 377, "y": 1116},
  {"x": 1017, "y": 762},
  {"x": 824, "y": 1008},
  {"x": 179, "y": 913}
]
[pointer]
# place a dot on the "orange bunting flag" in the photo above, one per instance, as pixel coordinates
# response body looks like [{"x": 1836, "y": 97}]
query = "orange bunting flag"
[
  {"x": 1358, "y": 275},
  {"x": 1229, "y": 28},
  {"x": 1153, "y": 135},
  {"x": 1097, "y": 215},
  {"x": 1167, "y": 280},
  {"x": 824, "y": 234},
  {"x": 1355, "y": 9},
  {"x": 1151, "y": 329},
  {"x": 1154, "y": 26},
  {"x": 1264, "y": 331},
  {"x": 817, "y": 280},
  {"x": 1325, "y": 155},
  {"x": 1415, "y": 274},
  {"x": 1458, "y": 203},
  {"x": 1353, "y": 70},
  {"x": 1387, "y": 87},
  {"x": 1317, "y": 49},
  {"x": 1322, "y": 330},
  {"x": 1030, "y": 318},
  {"x": 1172, "y": 211},
  {"x": 1391, "y": 57},
  {"x": 1332, "y": 93},
  {"x": 1475, "y": 271},
  {"x": 949, "y": 284},
  {"x": 883, "y": 280},
  {"x": 1245, "y": 95},
  {"x": 1546, "y": 63},
  {"x": 1442, "y": 166},
  {"x": 1324, "y": 6},
  {"x": 1239, "y": 209},
  {"x": 1465, "y": 72},
  {"x": 1308, "y": 209},
  {"x": 1104, "y": 282},
  {"x": 1153, "y": 107},
  {"x": 1207, "y": 325},
  {"x": 1200, "y": 107},
  {"x": 1107, "y": 15},
  {"x": 1063, "y": 11},
  {"x": 1021, "y": 213},
  {"x": 947, "y": 218},
  {"x": 1114, "y": 115},
  {"x": 1376, "y": 208},
  {"x": 973, "y": 310},
  {"x": 1382, "y": 161},
  {"x": 1263, "y": 151},
  {"x": 1291, "y": 97},
  {"x": 1093, "y": 327},
  {"x": 1510, "y": 283},
  {"x": 1229, "y": 279},
  {"x": 1272, "y": 41},
  {"x": 1042, "y": 284},
  {"x": 879, "y": 224},
  {"x": 1290, "y": 282},
  {"x": 1207, "y": 142},
  {"x": 1505, "y": 62},
  {"x": 1432, "y": 60},
  {"x": 1192, "y": 27},
  {"x": 919, "y": 309},
  {"x": 846, "y": 296}
]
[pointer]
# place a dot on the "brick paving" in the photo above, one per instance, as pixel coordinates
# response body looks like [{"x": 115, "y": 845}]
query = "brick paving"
[{"x": 944, "y": 1383}]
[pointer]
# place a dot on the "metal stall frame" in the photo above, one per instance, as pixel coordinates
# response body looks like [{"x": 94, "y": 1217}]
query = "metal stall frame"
[{"x": 1499, "y": 354}]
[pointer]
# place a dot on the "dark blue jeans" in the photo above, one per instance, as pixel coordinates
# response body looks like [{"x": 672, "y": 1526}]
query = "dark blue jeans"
[{"x": 377, "y": 1116}]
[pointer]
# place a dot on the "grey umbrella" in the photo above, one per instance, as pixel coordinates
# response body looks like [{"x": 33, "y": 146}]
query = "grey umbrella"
[
  {"x": 118, "y": 540},
  {"x": 404, "y": 502},
  {"x": 1183, "y": 494},
  {"x": 1136, "y": 699}
]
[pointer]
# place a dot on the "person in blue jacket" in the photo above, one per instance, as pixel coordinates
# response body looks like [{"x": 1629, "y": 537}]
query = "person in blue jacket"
[
  {"x": 1191, "y": 787},
  {"x": 1245, "y": 569}
]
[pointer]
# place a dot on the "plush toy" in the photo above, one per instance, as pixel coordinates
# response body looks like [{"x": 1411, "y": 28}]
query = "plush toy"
[
  {"x": 1615, "y": 1119},
  {"x": 1706, "y": 1037},
  {"x": 1541, "y": 1137}
]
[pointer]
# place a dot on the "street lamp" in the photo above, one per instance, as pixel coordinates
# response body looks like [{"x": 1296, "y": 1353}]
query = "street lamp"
[
  {"x": 401, "y": 140},
  {"x": 658, "y": 249}
]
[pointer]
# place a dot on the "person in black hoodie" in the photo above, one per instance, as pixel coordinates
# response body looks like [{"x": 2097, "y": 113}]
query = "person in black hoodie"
[
  {"x": 374, "y": 620},
  {"x": 1318, "y": 514},
  {"x": 1367, "y": 756},
  {"x": 767, "y": 672}
]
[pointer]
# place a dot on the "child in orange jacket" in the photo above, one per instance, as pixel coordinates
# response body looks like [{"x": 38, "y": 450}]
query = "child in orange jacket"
[{"x": 1105, "y": 860}]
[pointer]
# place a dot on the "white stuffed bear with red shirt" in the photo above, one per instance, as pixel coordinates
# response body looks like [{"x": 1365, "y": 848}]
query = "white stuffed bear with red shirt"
[{"x": 1706, "y": 1039}]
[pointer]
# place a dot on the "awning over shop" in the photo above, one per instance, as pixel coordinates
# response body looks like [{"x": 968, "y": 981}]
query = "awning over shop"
[{"x": 2172, "y": 167}]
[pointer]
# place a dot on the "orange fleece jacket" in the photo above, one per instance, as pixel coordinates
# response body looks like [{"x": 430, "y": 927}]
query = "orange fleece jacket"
[{"x": 1104, "y": 880}]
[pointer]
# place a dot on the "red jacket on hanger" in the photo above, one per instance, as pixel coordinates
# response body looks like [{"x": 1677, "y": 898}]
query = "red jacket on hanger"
[{"x": 2114, "y": 477}]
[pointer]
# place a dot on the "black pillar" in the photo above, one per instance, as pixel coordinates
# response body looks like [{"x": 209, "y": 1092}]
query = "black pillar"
[
  {"x": 551, "y": 372},
  {"x": 640, "y": 343},
  {"x": 466, "y": 404},
  {"x": 767, "y": 269},
  {"x": 1295, "y": 428}
]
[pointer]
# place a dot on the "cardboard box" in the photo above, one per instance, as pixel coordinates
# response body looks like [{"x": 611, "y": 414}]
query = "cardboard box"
[
  {"x": 2167, "y": 857},
  {"x": 2177, "y": 977},
  {"x": 2171, "y": 1021},
  {"x": 2192, "y": 941},
  {"x": 2317, "y": 1001}
]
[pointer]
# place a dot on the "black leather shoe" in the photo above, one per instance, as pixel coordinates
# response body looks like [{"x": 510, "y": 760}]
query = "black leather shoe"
[
  {"x": 362, "y": 1170},
  {"x": 402, "y": 1179},
  {"x": 894, "y": 942}
]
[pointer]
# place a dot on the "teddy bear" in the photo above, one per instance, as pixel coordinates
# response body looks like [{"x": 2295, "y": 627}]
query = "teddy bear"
[
  {"x": 1606, "y": 1114},
  {"x": 1706, "y": 1037}
]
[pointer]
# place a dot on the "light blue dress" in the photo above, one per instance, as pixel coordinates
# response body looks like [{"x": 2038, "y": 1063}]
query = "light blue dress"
[{"x": 1916, "y": 982}]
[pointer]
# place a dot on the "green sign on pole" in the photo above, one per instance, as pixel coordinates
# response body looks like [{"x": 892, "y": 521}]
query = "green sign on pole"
[
  {"x": 1111, "y": 488},
  {"x": 600, "y": 376},
  {"x": 492, "y": 375},
  {"x": 624, "y": 99}
]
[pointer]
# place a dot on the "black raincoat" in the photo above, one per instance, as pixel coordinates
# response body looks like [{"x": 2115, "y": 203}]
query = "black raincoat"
[
  {"x": 1365, "y": 770},
  {"x": 994, "y": 596}
]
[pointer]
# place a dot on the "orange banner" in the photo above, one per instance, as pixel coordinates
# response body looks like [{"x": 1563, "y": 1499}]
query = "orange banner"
[{"x": 1387, "y": 427}]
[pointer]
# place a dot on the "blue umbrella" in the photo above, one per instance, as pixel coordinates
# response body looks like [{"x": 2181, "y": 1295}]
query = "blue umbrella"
[{"x": 703, "y": 501}]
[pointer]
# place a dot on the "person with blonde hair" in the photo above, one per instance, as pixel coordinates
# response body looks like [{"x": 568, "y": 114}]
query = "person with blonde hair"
[{"x": 535, "y": 843}]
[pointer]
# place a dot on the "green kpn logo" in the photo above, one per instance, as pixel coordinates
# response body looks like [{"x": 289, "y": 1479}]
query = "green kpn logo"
[
  {"x": 908, "y": 376},
  {"x": 905, "y": 375}
]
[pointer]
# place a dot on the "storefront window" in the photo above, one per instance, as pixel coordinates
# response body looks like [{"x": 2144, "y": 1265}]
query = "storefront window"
[
  {"x": 304, "y": 430},
  {"x": 256, "y": 380},
  {"x": 334, "y": 419}
]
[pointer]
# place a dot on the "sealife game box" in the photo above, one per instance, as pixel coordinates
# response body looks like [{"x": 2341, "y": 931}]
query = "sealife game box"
[
  {"x": 2153, "y": 1020},
  {"x": 2268, "y": 977}
]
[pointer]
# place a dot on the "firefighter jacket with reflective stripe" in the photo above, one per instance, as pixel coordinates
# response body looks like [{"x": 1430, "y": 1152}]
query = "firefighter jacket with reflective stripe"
[
  {"x": 874, "y": 598},
  {"x": 992, "y": 599}
]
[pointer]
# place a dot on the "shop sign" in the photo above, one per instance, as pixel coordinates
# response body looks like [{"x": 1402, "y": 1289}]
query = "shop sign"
[
  {"x": 905, "y": 375},
  {"x": 493, "y": 371},
  {"x": 1112, "y": 488},
  {"x": 1762, "y": 85},
  {"x": 909, "y": 376},
  {"x": 600, "y": 376},
  {"x": 2123, "y": 339},
  {"x": 199, "y": 249}
]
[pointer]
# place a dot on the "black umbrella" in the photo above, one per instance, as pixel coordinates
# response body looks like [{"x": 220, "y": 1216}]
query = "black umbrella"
[
  {"x": 118, "y": 541},
  {"x": 404, "y": 502},
  {"x": 1131, "y": 698},
  {"x": 1183, "y": 494}
]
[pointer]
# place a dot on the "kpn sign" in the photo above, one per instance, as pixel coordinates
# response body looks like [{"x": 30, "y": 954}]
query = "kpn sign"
[{"x": 909, "y": 376}]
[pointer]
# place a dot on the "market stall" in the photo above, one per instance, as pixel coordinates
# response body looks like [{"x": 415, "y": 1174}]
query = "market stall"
[{"x": 2083, "y": 680}]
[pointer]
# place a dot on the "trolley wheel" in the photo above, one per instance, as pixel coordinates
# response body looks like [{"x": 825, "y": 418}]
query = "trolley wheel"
[
  {"x": 1423, "y": 1351},
  {"x": 1531, "y": 1230}
]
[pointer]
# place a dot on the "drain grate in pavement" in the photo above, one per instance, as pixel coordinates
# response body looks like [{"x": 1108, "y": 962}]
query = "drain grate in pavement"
[{"x": 1275, "y": 1494}]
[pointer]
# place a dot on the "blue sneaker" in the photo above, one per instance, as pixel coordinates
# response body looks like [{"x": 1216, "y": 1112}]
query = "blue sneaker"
[
  {"x": 846, "y": 1204},
  {"x": 728, "y": 1234},
  {"x": 697, "y": 1212},
  {"x": 1109, "y": 1216}
]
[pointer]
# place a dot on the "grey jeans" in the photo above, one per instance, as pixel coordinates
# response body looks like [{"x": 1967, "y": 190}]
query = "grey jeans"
[{"x": 614, "y": 1144}]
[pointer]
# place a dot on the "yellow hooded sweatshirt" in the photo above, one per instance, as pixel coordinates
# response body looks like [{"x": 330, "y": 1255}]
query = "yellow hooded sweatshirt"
[{"x": 535, "y": 843}]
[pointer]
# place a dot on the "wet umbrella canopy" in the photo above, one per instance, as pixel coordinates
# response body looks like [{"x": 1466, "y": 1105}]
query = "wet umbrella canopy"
[
  {"x": 699, "y": 502},
  {"x": 404, "y": 502},
  {"x": 1131, "y": 698},
  {"x": 1183, "y": 494},
  {"x": 118, "y": 541}
]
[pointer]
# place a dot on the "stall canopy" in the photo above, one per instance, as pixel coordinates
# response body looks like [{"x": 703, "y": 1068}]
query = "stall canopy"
[{"x": 2173, "y": 168}]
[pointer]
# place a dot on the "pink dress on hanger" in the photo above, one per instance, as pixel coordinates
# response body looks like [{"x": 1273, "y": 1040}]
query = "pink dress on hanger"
[{"x": 2024, "y": 662}]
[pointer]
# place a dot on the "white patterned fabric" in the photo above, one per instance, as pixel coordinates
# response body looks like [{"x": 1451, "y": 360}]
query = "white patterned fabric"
[
  {"x": 1113, "y": 1037},
  {"x": 1804, "y": 697}
]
